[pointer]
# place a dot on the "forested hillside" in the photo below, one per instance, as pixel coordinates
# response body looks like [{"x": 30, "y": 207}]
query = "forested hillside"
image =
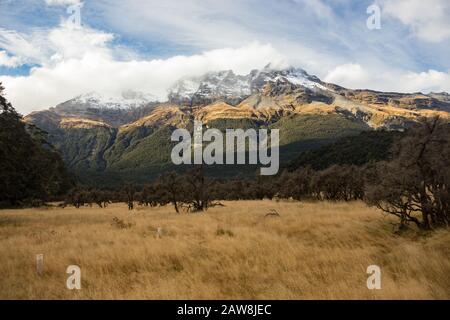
[
  {"x": 367, "y": 147},
  {"x": 30, "y": 169}
]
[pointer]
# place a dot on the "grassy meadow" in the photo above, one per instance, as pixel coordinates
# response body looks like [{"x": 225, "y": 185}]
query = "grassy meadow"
[{"x": 312, "y": 251}]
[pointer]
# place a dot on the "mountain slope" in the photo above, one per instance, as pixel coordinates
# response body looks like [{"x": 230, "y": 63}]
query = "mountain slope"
[
  {"x": 368, "y": 146},
  {"x": 131, "y": 137}
]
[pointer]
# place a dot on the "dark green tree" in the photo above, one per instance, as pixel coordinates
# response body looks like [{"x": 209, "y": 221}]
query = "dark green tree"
[{"x": 30, "y": 169}]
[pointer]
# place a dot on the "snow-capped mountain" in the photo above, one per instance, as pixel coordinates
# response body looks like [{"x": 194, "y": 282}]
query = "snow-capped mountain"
[
  {"x": 264, "y": 94},
  {"x": 114, "y": 110},
  {"x": 294, "y": 76},
  {"x": 223, "y": 84},
  {"x": 227, "y": 85},
  {"x": 127, "y": 99},
  {"x": 132, "y": 131}
]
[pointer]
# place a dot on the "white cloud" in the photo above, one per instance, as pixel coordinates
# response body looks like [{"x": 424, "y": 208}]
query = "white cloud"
[
  {"x": 431, "y": 80},
  {"x": 354, "y": 76},
  {"x": 348, "y": 75},
  {"x": 238, "y": 35},
  {"x": 61, "y": 2},
  {"x": 68, "y": 42},
  {"x": 83, "y": 60},
  {"x": 8, "y": 61},
  {"x": 429, "y": 20},
  {"x": 212, "y": 24},
  {"x": 30, "y": 48}
]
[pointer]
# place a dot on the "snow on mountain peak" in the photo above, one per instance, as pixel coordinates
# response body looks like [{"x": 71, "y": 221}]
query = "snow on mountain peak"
[
  {"x": 127, "y": 99},
  {"x": 226, "y": 84},
  {"x": 295, "y": 76},
  {"x": 211, "y": 86}
]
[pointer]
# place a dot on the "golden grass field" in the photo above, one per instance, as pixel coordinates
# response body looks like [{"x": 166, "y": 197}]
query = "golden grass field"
[{"x": 313, "y": 251}]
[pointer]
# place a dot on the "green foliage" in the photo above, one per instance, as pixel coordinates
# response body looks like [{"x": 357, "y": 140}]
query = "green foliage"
[
  {"x": 243, "y": 123},
  {"x": 127, "y": 141},
  {"x": 316, "y": 127},
  {"x": 102, "y": 156},
  {"x": 29, "y": 168},
  {"x": 84, "y": 148},
  {"x": 299, "y": 133},
  {"x": 368, "y": 146},
  {"x": 153, "y": 149}
]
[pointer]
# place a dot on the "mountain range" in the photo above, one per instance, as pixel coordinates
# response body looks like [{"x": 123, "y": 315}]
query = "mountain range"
[{"x": 128, "y": 137}]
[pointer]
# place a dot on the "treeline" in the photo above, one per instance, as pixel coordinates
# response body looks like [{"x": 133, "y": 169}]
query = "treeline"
[
  {"x": 192, "y": 191},
  {"x": 414, "y": 185},
  {"x": 31, "y": 171}
]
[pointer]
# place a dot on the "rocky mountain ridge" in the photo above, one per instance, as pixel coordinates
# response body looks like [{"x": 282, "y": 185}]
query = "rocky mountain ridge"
[
  {"x": 309, "y": 113},
  {"x": 266, "y": 94}
]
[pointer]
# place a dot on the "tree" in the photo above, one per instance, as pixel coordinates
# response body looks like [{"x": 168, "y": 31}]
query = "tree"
[
  {"x": 169, "y": 186},
  {"x": 149, "y": 196},
  {"x": 30, "y": 169},
  {"x": 415, "y": 185},
  {"x": 197, "y": 190},
  {"x": 76, "y": 197},
  {"x": 337, "y": 182},
  {"x": 297, "y": 184},
  {"x": 129, "y": 192}
]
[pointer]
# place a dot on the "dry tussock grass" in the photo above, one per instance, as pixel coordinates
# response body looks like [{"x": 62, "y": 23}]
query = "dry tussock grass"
[{"x": 313, "y": 251}]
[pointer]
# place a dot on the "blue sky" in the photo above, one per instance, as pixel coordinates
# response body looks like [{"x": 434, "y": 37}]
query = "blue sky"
[{"x": 147, "y": 45}]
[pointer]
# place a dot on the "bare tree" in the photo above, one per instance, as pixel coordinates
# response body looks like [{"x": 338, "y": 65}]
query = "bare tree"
[
  {"x": 415, "y": 185},
  {"x": 129, "y": 191},
  {"x": 198, "y": 191},
  {"x": 169, "y": 185}
]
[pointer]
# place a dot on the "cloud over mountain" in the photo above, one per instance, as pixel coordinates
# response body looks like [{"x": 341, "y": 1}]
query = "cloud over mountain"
[
  {"x": 146, "y": 46},
  {"x": 76, "y": 61}
]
